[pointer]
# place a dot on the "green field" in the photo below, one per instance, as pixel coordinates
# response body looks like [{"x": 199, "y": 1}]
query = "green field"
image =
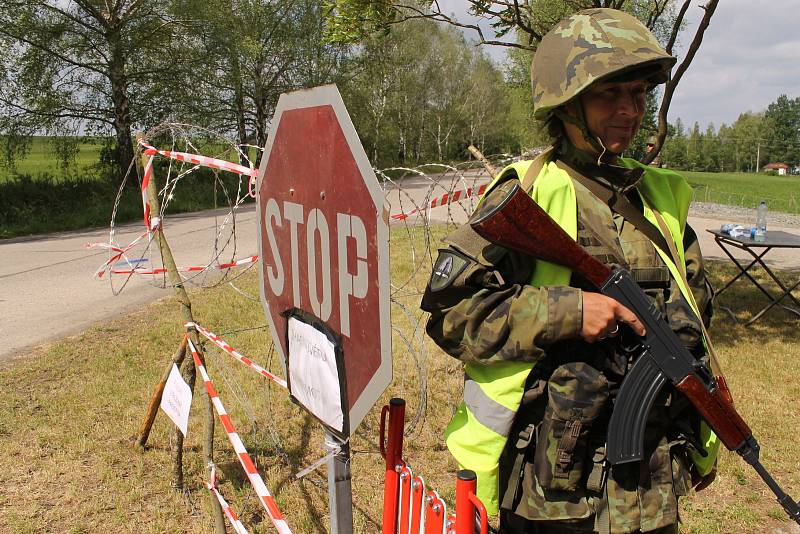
[
  {"x": 782, "y": 193},
  {"x": 39, "y": 196},
  {"x": 42, "y": 159}
]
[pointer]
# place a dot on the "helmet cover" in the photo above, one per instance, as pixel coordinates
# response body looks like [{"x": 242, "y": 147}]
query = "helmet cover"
[{"x": 591, "y": 46}]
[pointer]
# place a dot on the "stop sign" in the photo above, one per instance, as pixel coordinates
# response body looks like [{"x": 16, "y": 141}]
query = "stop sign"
[{"x": 324, "y": 238}]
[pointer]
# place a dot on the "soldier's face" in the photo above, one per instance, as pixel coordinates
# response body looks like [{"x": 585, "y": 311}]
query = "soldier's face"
[{"x": 613, "y": 112}]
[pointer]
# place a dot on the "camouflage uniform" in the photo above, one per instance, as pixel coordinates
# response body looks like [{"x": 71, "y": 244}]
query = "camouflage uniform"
[
  {"x": 488, "y": 313},
  {"x": 553, "y": 469}
]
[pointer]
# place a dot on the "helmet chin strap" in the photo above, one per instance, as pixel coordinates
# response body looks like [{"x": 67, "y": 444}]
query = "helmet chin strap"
[{"x": 579, "y": 122}]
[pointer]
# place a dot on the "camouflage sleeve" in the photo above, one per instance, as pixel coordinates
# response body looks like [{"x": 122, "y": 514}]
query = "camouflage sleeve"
[
  {"x": 681, "y": 316},
  {"x": 696, "y": 275},
  {"x": 482, "y": 308}
]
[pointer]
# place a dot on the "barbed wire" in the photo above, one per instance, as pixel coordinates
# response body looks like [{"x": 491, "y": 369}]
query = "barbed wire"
[{"x": 423, "y": 203}]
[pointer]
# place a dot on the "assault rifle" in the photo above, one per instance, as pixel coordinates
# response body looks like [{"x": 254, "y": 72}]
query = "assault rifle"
[{"x": 510, "y": 218}]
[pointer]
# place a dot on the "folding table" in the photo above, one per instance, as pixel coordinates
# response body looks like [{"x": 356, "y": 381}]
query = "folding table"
[{"x": 759, "y": 249}]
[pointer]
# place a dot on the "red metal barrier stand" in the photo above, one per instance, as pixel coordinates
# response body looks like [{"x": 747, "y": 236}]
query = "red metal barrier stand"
[
  {"x": 467, "y": 503},
  {"x": 392, "y": 450}
]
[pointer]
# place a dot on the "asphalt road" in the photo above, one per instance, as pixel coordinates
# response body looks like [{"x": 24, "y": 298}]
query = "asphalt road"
[{"x": 48, "y": 291}]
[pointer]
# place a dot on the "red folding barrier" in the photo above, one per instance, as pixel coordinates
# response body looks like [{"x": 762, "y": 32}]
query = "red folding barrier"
[
  {"x": 392, "y": 451},
  {"x": 406, "y": 477},
  {"x": 435, "y": 512},
  {"x": 407, "y": 507},
  {"x": 417, "y": 500}
]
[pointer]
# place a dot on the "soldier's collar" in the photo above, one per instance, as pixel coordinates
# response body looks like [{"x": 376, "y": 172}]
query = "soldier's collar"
[{"x": 617, "y": 178}]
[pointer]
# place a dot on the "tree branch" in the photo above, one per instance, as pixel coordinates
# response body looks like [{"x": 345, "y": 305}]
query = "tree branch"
[
  {"x": 676, "y": 27},
  {"x": 669, "y": 88}
]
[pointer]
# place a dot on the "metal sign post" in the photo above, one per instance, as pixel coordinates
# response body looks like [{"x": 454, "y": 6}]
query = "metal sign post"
[{"x": 340, "y": 492}]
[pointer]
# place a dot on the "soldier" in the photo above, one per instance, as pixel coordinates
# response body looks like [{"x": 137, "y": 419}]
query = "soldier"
[
  {"x": 542, "y": 351},
  {"x": 649, "y": 147}
]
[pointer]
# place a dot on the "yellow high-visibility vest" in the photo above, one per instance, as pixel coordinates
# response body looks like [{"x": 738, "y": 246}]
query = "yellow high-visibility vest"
[{"x": 479, "y": 430}]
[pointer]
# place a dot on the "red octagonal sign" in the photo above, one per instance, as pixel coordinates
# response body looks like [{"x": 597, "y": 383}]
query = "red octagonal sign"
[{"x": 324, "y": 238}]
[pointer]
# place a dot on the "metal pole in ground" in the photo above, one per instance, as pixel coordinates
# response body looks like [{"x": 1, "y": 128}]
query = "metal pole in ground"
[{"x": 340, "y": 491}]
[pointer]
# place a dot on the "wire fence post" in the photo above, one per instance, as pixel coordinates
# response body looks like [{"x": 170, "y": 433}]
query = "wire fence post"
[{"x": 188, "y": 370}]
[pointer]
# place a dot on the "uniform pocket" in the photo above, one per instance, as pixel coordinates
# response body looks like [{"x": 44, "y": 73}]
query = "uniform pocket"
[{"x": 577, "y": 394}]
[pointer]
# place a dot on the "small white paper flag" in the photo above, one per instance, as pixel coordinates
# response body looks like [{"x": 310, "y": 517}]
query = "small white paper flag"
[{"x": 177, "y": 399}]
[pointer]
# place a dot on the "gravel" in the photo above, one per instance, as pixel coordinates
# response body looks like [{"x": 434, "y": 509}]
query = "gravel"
[{"x": 740, "y": 215}]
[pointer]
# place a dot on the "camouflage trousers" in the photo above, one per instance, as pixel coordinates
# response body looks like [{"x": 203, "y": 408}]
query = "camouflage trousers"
[{"x": 514, "y": 524}]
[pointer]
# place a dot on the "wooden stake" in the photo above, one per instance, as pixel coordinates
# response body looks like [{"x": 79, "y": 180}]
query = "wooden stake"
[
  {"x": 158, "y": 392},
  {"x": 480, "y": 157},
  {"x": 188, "y": 370}
]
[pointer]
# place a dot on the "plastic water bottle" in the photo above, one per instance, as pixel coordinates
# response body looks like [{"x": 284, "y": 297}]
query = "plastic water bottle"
[{"x": 761, "y": 222}]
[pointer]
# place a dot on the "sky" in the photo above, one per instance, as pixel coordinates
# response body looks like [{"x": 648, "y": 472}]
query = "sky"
[{"x": 750, "y": 55}]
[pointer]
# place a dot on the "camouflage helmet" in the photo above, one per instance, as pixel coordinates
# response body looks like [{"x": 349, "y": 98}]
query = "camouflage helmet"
[{"x": 590, "y": 46}]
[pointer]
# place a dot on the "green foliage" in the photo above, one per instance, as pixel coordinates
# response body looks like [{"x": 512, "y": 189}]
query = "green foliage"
[
  {"x": 244, "y": 54},
  {"x": 353, "y": 21},
  {"x": 782, "y": 134},
  {"x": 39, "y": 203},
  {"x": 752, "y": 141},
  {"x": 89, "y": 67},
  {"x": 422, "y": 94}
]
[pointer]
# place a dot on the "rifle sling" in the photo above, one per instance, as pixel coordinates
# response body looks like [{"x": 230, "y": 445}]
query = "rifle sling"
[
  {"x": 716, "y": 367},
  {"x": 620, "y": 205},
  {"x": 535, "y": 168}
]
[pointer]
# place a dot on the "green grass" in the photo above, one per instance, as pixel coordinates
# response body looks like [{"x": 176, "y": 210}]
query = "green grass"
[
  {"x": 40, "y": 197},
  {"x": 42, "y": 160},
  {"x": 782, "y": 193},
  {"x": 67, "y": 463}
]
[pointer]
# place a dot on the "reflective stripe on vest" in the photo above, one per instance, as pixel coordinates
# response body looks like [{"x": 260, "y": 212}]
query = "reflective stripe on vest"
[{"x": 479, "y": 430}]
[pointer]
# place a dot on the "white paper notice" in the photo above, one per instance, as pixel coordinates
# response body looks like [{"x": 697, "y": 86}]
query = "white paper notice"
[
  {"x": 177, "y": 399},
  {"x": 313, "y": 376}
]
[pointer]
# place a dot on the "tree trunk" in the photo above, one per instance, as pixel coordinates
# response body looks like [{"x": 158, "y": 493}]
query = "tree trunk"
[
  {"x": 119, "y": 96},
  {"x": 238, "y": 96}
]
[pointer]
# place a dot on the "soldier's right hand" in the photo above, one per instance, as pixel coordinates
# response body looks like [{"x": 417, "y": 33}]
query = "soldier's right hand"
[{"x": 602, "y": 315}]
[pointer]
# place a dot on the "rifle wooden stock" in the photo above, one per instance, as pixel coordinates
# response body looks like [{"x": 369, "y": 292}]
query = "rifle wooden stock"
[
  {"x": 507, "y": 216},
  {"x": 718, "y": 411},
  {"x": 517, "y": 222}
]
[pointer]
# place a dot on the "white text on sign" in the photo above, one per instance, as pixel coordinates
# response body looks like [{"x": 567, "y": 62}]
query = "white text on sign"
[{"x": 318, "y": 252}]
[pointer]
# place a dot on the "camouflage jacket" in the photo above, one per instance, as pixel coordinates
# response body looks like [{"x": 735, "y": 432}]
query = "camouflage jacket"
[{"x": 486, "y": 311}]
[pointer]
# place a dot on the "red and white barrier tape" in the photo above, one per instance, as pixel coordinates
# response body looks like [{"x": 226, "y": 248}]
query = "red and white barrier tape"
[
  {"x": 266, "y": 499},
  {"x": 192, "y": 269},
  {"x": 445, "y": 199},
  {"x": 218, "y": 341},
  {"x": 233, "y": 519},
  {"x": 221, "y": 164},
  {"x": 203, "y": 161},
  {"x": 120, "y": 252}
]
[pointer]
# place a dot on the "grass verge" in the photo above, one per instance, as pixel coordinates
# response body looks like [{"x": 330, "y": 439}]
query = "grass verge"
[{"x": 67, "y": 463}]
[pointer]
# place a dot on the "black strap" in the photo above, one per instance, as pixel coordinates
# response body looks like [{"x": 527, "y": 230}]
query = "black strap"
[{"x": 620, "y": 205}]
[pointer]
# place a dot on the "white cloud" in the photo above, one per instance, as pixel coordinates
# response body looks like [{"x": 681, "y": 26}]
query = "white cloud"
[{"x": 748, "y": 58}]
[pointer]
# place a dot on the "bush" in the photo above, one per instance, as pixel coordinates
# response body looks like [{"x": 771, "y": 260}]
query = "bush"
[{"x": 31, "y": 205}]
